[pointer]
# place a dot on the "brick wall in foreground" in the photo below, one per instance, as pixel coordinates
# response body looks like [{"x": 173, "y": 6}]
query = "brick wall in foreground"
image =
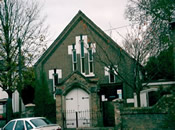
[{"x": 150, "y": 118}]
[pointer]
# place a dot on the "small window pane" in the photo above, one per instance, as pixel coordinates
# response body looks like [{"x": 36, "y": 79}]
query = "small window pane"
[
  {"x": 19, "y": 125},
  {"x": 56, "y": 79},
  {"x": 91, "y": 69},
  {"x": 112, "y": 78},
  {"x": 90, "y": 55},
  {"x": 75, "y": 66},
  {"x": 74, "y": 56},
  {"x": 40, "y": 122},
  {"x": 28, "y": 126},
  {"x": 82, "y": 62},
  {"x": 10, "y": 126},
  {"x": 82, "y": 49}
]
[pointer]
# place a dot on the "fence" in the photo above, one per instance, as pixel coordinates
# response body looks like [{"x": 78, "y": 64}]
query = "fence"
[{"x": 79, "y": 119}]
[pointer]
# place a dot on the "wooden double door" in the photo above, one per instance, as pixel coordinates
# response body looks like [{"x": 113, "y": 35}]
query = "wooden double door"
[{"x": 77, "y": 109}]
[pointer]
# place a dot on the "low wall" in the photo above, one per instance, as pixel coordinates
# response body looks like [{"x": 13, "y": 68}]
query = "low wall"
[
  {"x": 143, "y": 121},
  {"x": 150, "y": 118}
]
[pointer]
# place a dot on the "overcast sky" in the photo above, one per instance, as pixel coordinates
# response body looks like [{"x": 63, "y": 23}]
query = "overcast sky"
[{"x": 106, "y": 14}]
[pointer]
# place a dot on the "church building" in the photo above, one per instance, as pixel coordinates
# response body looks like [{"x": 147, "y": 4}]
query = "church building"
[{"x": 86, "y": 70}]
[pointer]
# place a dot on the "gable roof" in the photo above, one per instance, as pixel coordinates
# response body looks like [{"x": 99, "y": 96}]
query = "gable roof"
[{"x": 79, "y": 16}]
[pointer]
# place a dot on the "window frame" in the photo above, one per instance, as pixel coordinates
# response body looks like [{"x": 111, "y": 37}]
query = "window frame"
[
  {"x": 90, "y": 59},
  {"x": 114, "y": 73},
  {"x": 13, "y": 125},
  {"x": 26, "y": 122},
  {"x": 74, "y": 57},
  {"x": 17, "y": 123},
  {"x": 111, "y": 80},
  {"x": 82, "y": 54}
]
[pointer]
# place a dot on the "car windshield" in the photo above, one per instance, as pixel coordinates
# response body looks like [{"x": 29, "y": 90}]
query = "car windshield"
[{"x": 40, "y": 122}]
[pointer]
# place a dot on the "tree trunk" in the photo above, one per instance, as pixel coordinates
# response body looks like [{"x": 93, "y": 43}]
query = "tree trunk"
[{"x": 9, "y": 109}]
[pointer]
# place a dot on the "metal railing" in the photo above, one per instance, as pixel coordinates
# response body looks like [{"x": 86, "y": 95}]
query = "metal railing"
[{"x": 79, "y": 119}]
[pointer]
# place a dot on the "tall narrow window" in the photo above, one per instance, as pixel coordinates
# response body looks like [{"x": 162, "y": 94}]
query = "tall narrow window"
[
  {"x": 82, "y": 48},
  {"x": 55, "y": 82},
  {"x": 74, "y": 57},
  {"x": 82, "y": 54},
  {"x": 55, "y": 78},
  {"x": 111, "y": 75},
  {"x": 90, "y": 58}
]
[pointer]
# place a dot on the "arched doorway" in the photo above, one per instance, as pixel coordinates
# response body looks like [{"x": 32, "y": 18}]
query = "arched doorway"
[{"x": 77, "y": 108}]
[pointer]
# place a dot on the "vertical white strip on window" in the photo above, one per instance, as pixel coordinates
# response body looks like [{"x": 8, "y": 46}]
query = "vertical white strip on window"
[
  {"x": 59, "y": 72},
  {"x": 106, "y": 69},
  {"x": 84, "y": 37},
  {"x": 116, "y": 69},
  {"x": 77, "y": 44},
  {"x": 51, "y": 72},
  {"x": 70, "y": 50},
  {"x": 93, "y": 47}
]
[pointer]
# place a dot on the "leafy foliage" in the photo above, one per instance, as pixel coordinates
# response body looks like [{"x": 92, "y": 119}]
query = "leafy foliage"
[
  {"x": 21, "y": 30},
  {"x": 161, "y": 66},
  {"x": 169, "y": 121},
  {"x": 28, "y": 86},
  {"x": 45, "y": 104}
]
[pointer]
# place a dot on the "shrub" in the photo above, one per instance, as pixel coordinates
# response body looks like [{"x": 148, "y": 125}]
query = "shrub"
[{"x": 45, "y": 104}]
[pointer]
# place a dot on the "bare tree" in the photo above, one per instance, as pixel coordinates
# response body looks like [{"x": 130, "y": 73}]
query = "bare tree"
[
  {"x": 138, "y": 49},
  {"x": 137, "y": 44},
  {"x": 156, "y": 15},
  {"x": 21, "y": 36},
  {"x": 113, "y": 58},
  {"x": 128, "y": 67},
  {"x": 152, "y": 34}
]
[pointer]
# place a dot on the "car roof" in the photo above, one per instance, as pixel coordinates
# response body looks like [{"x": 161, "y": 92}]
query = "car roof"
[{"x": 27, "y": 118}]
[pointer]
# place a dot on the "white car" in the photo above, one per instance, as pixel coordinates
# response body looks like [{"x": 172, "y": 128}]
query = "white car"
[{"x": 32, "y": 123}]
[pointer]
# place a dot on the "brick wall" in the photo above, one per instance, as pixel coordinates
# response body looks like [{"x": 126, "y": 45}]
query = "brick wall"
[
  {"x": 150, "y": 118},
  {"x": 143, "y": 121}
]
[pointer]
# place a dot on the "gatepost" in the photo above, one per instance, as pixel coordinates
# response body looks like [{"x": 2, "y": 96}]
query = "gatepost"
[{"x": 118, "y": 105}]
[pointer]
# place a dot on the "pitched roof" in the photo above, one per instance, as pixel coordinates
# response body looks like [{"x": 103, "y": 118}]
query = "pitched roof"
[{"x": 79, "y": 16}]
